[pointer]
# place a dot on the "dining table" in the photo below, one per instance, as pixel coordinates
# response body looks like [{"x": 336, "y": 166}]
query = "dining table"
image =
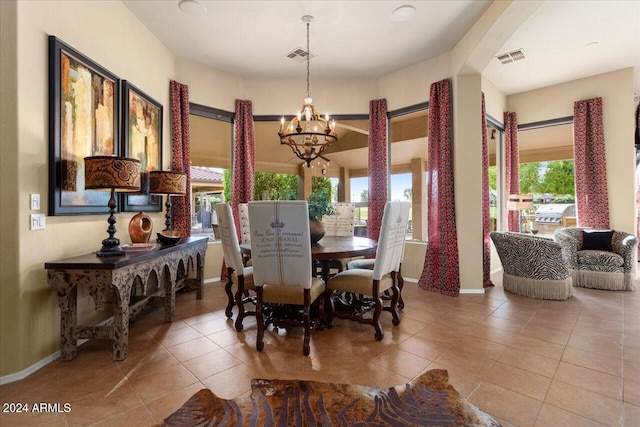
[{"x": 331, "y": 248}]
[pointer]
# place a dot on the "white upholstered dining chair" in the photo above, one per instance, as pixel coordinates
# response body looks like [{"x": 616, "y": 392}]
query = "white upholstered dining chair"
[
  {"x": 236, "y": 271},
  {"x": 340, "y": 224},
  {"x": 245, "y": 232},
  {"x": 281, "y": 254},
  {"x": 383, "y": 276}
]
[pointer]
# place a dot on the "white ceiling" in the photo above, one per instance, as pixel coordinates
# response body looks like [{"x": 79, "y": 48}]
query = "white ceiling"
[{"x": 359, "y": 38}]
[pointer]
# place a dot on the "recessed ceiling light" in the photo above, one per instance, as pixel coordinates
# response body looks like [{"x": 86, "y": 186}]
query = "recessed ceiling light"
[
  {"x": 192, "y": 7},
  {"x": 403, "y": 13}
]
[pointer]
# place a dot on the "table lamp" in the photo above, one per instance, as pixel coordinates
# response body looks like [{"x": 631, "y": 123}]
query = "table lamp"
[
  {"x": 120, "y": 174},
  {"x": 520, "y": 202},
  {"x": 171, "y": 184}
]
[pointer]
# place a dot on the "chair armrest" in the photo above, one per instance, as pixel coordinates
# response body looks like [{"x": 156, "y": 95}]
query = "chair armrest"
[
  {"x": 627, "y": 247},
  {"x": 569, "y": 248}
]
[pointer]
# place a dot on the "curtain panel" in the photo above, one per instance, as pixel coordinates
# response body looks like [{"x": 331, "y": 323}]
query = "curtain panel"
[
  {"x": 243, "y": 165},
  {"x": 486, "y": 217},
  {"x": 592, "y": 198},
  {"x": 441, "y": 271},
  {"x": 512, "y": 166},
  {"x": 378, "y": 161},
  {"x": 181, "y": 153}
]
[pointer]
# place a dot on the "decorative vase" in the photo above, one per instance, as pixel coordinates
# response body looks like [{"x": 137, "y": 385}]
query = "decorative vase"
[
  {"x": 140, "y": 228},
  {"x": 316, "y": 230}
]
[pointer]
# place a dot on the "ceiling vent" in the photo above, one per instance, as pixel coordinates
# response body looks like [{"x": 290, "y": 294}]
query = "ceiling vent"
[
  {"x": 513, "y": 56},
  {"x": 299, "y": 55}
]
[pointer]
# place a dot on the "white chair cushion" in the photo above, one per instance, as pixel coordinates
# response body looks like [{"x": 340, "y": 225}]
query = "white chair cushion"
[
  {"x": 289, "y": 294},
  {"x": 359, "y": 281},
  {"x": 361, "y": 263}
]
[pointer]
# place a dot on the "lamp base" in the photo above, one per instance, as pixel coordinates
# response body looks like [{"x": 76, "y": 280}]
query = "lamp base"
[{"x": 110, "y": 247}]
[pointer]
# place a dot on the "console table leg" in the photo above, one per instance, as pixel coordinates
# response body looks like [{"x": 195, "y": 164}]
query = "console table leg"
[
  {"x": 199, "y": 280},
  {"x": 121, "y": 322},
  {"x": 170, "y": 301},
  {"x": 68, "y": 324}
]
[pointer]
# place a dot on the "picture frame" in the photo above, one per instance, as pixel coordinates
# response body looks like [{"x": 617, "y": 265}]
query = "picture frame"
[
  {"x": 142, "y": 140},
  {"x": 84, "y": 120}
]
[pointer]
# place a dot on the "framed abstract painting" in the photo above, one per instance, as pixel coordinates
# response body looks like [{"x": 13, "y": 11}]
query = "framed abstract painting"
[
  {"x": 83, "y": 121},
  {"x": 141, "y": 139}
]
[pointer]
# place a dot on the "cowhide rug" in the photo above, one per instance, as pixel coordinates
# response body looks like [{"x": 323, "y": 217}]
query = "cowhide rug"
[{"x": 428, "y": 400}]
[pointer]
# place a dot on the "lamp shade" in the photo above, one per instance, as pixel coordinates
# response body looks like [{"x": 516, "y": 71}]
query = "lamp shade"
[
  {"x": 519, "y": 202},
  {"x": 109, "y": 172},
  {"x": 167, "y": 182}
]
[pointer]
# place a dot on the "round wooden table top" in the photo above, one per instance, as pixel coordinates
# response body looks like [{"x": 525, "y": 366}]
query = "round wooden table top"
[{"x": 332, "y": 247}]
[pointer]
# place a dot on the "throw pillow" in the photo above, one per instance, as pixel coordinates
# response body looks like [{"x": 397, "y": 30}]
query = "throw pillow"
[{"x": 597, "y": 240}]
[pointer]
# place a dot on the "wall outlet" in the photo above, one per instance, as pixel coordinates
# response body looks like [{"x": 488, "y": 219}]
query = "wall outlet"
[
  {"x": 35, "y": 202},
  {"x": 38, "y": 222}
]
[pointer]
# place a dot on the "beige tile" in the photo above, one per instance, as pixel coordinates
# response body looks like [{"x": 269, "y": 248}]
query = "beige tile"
[
  {"x": 588, "y": 379},
  {"x": 519, "y": 380},
  {"x": 145, "y": 364},
  {"x": 586, "y": 403},
  {"x": 158, "y": 384},
  {"x": 545, "y": 333},
  {"x": 531, "y": 362},
  {"x": 480, "y": 347},
  {"x": 194, "y": 348},
  {"x": 595, "y": 361},
  {"x": 466, "y": 362},
  {"x": 163, "y": 407},
  {"x": 608, "y": 346},
  {"x": 551, "y": 416},
  {"x": 176, "y": 336},
  {"x": 464, "y": 383},
  {"x": 232, "y": 382},
  {"x": 631, "y": 415},
  {"x": 538, "y": 346},
  {"x": 211, "y": 363},
  {"x": 506, "y": 404},
  {"x": 20, "y": 419},
  {"x": 424, "y": 347},
  {"x": 134, "y": 417},
  {"x": 632, "y": 391},
  {"x": 100, "y": 406},
  {"x": 401, "y": 362},
  {"x": 632, "y": 368}
]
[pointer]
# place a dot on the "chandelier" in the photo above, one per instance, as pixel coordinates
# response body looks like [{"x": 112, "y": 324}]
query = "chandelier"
[{"x": 308, "y": 133}]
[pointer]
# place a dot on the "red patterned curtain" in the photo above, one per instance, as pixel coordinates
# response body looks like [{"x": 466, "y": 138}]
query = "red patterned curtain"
[
  {"x": 243, "y": 159},
  {"x": 378, "y": 156},
  {"x": 592, "y": 197},
  {"x": 243, "y": 165},
  {"x": 181, "y": 154},
  {"x": 512, "y": 165},
  {"x": 441, "y": 272},
  {"x": 486, "y": 217}
]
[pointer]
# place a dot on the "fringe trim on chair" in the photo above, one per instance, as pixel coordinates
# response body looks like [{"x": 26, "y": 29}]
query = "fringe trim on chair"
[
  {"x": 604, "y": 280},
  {"x": 538, "y": 288}
]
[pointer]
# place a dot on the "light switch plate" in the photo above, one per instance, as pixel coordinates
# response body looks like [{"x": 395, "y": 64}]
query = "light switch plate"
[
  {"x": 35, "y": 202},
  {"x": 37, "y": 222}
]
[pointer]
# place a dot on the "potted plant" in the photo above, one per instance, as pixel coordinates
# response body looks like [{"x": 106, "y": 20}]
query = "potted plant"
[{"x": 319, "y": 205}]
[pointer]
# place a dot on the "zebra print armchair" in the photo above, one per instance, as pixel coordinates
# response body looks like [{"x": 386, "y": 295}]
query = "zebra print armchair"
[
  {"x": 532, "y": 266},
  {"x": 592, "y": 266}
]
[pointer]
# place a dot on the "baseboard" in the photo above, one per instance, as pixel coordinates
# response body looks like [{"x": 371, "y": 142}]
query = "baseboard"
[
  {"x": 462, "y": 291},
  {"x": 33, "y": 368},
  {"x": 215, "y": 279},
  {"x": 472, "y": 291}
]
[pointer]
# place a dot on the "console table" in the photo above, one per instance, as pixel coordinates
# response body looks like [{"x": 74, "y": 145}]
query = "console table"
[{"x": 168, "y": 262}]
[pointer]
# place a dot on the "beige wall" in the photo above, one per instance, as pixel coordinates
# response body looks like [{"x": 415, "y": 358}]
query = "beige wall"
[{"x": 30, "y": 313}]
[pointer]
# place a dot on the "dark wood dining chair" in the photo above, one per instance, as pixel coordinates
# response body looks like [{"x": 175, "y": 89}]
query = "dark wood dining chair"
[
  {"x": 236, "y": 271},
  {"x": 282, "y": 271},
  {"x": 373, "y": 283}
]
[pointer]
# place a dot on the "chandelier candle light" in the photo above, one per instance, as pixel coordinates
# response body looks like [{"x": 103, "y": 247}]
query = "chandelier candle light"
[{"x": 308, "y": 133}]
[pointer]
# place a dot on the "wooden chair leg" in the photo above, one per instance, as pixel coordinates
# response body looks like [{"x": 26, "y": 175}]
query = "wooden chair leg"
[
  {"x": 400, "y": 286},
  {"x": 377, "y": 310},
  {"x": 240, "y": 304},
  {"x": 259, "y": 319},
  {"x": 306, "y": 318},
  {"x": 394, "y": 305},
  {"x": 329, "y": 307},
  {"x": 227, "y": 288}
]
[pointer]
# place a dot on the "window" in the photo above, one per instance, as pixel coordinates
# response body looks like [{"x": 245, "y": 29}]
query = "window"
[{"x": 211, "y": 134}]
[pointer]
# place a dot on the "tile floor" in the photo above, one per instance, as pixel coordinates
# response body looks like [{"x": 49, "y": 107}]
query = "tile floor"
[{"x": 525, "y": 361}]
